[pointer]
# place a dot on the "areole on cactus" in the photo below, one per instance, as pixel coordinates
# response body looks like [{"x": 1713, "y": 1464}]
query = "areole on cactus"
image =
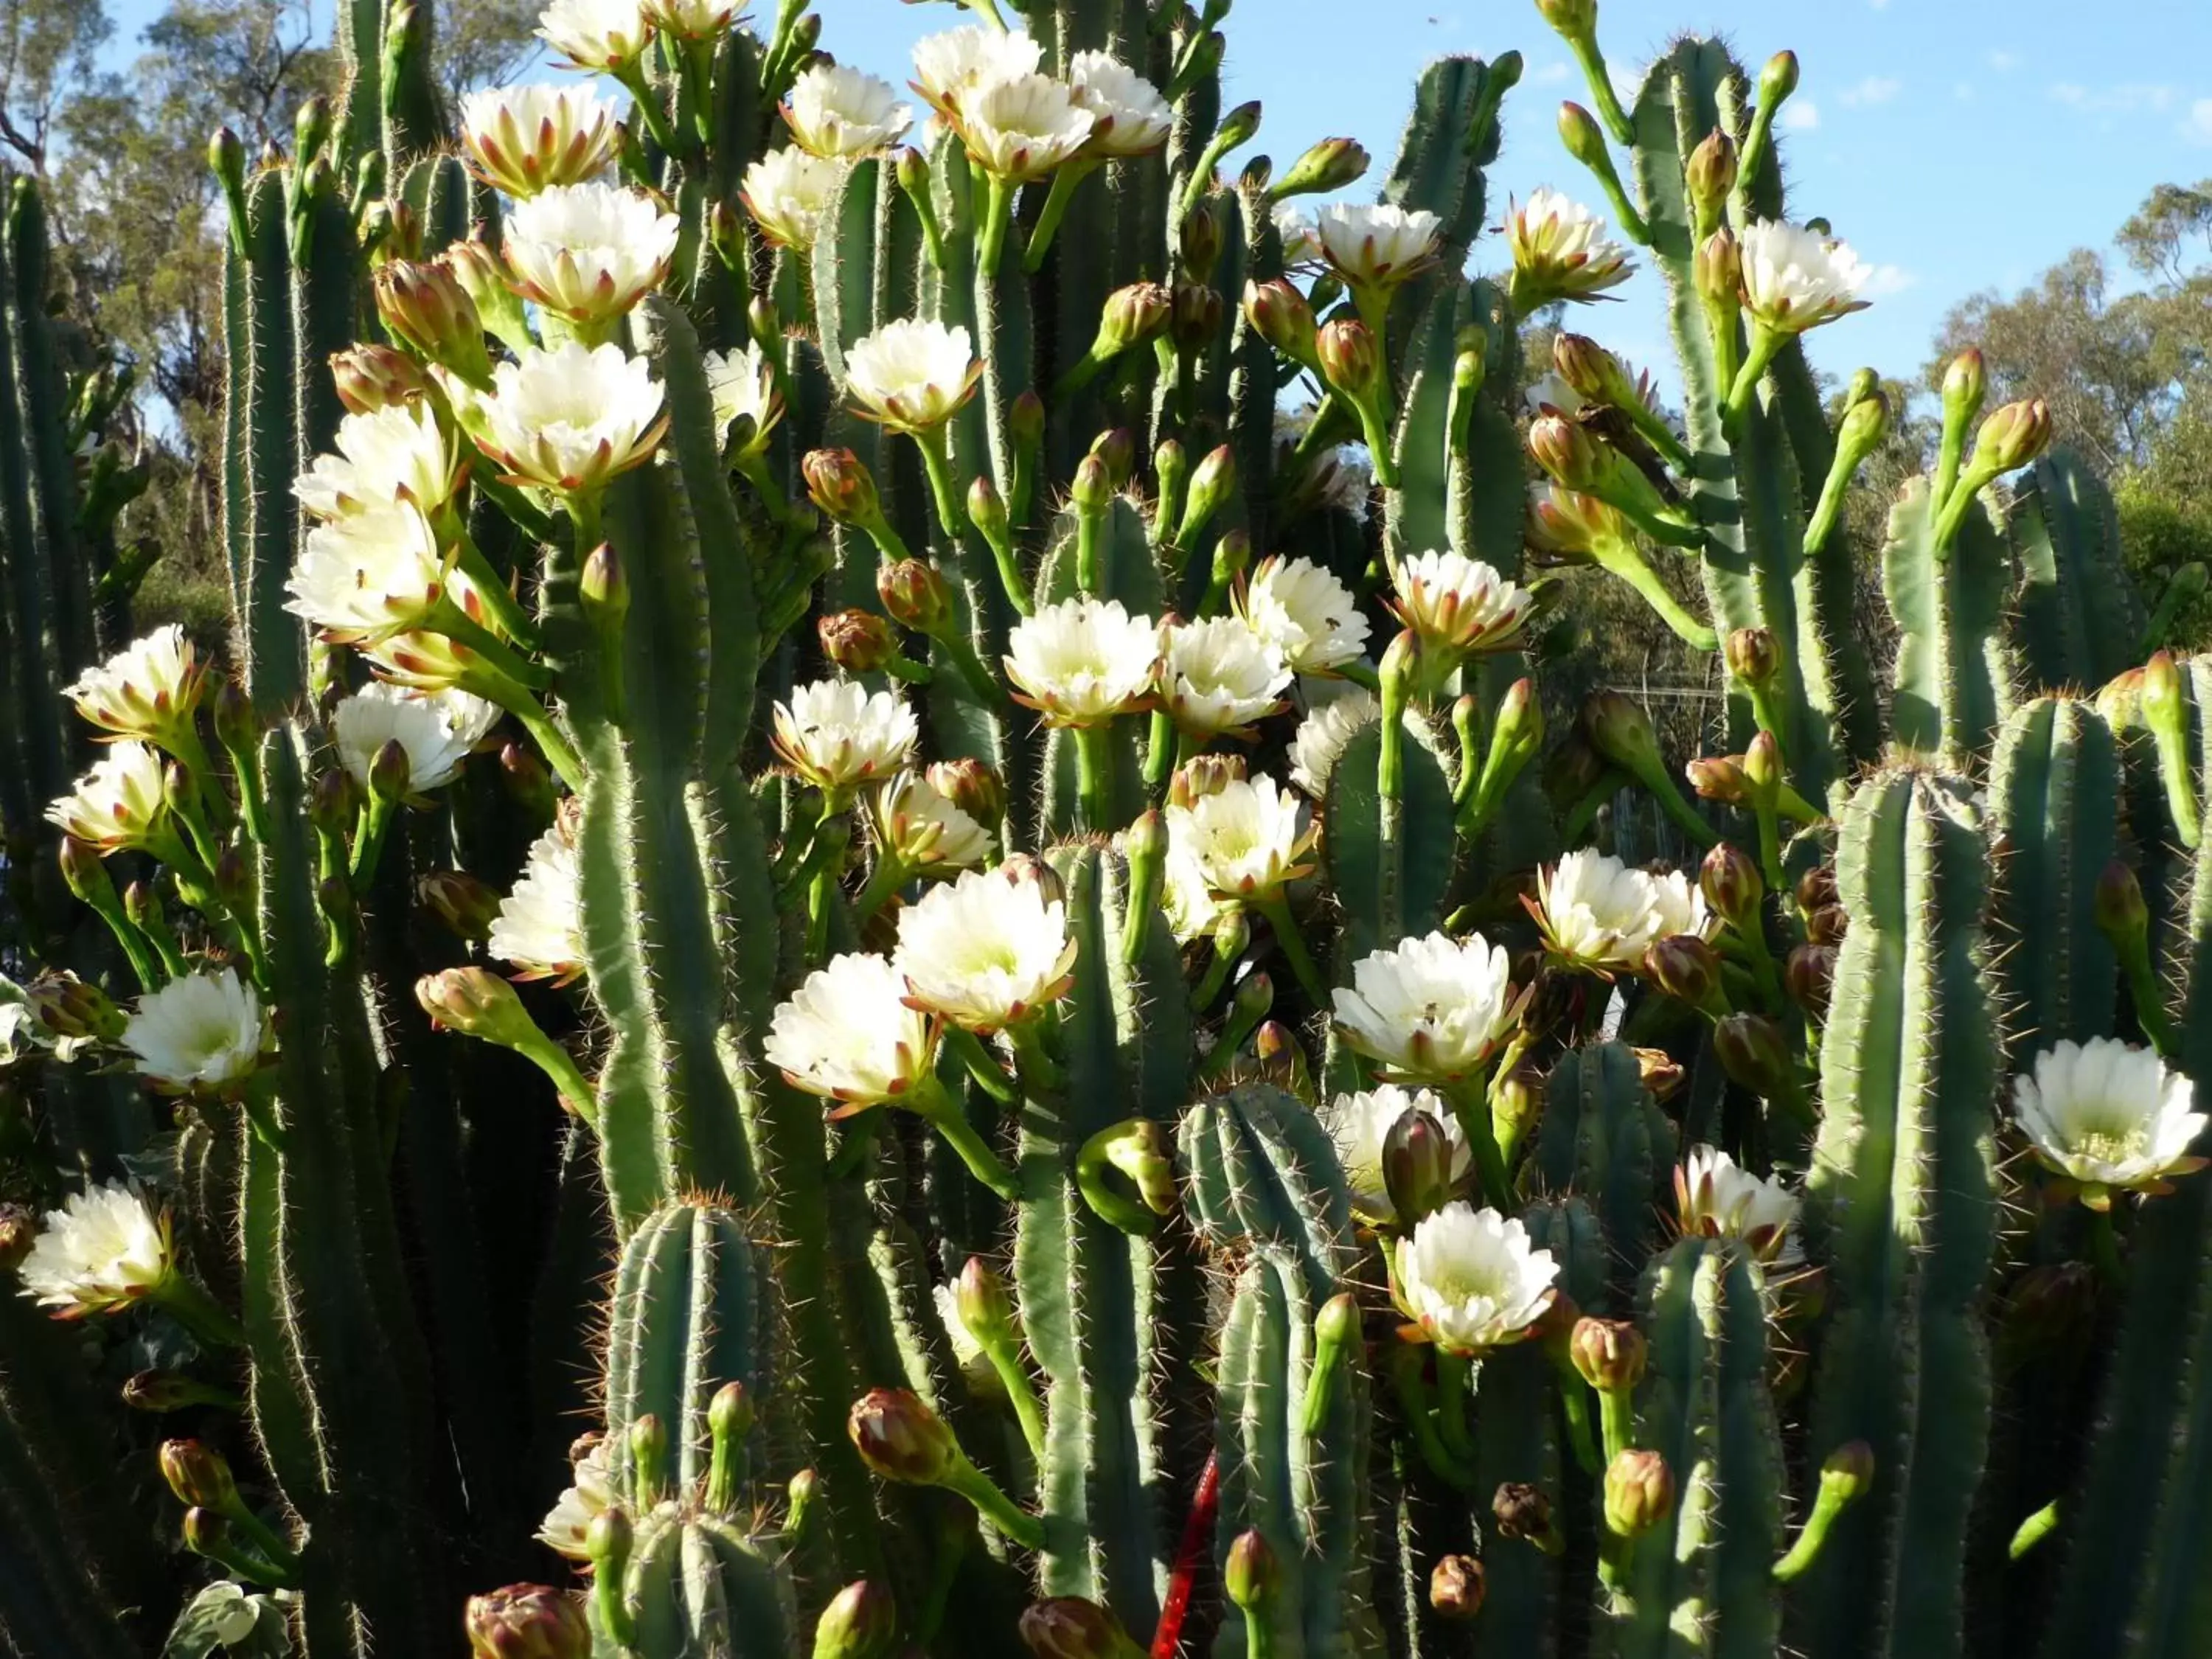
[{"x": 946, "y": 725}]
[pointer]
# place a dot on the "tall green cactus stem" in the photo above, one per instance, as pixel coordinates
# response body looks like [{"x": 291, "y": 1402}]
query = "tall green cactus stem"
[
  {"x": 1954, "y": 678},
  {"x": 2055, "y": 810},
  {"x": 1097, "y": 1303},
  {"x": 1390, "y": 849},
  {"x": 696, "y": 1583},
  {"x": 1264, "y": 1187},
  {"x": 261, "y": 518},
  {"x": 1705, "y": 1407},
  {"x": 2080, "y": 619},
  {"x": 1603, "y": 1138},
  {"x": 1902, "y": 1207}
]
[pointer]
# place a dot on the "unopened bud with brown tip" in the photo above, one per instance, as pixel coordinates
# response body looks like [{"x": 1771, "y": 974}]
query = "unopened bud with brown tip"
[
  {"x": 465, "y": 903},
  {"x": 2120, "y": 911},
  {"x": 1350, "y": 359},
  {"x": 1729, "y": 878},
  {"x": 901, "y": 1438},
  {"x": 1281, "y": 316},
  {"x": 840, "y": 485},
  {"x": 371, "y": 377},
  {"x": 1610, "y": 1354},
  {"x": 1417, "y": 1167},
  {"x": 1251, "y": 1574},
  {"x": 974, "y": 787},
  {"x": 1522, "y": 1511},
  {"x": 527, "y": 1621},
  {"x": 1686, "y": 967},
  {"x": 1118, "y": 450},
  {"x": 1070, "y": 1627},
  {"x": 1456, "y": 1586},
  {"x": 1639, "y": 1491},
  {"x": 1809, "y": 973},
  {"x": 2012, "y": 437},
  {"x": 427, "y": 308},
  {"x": 1710, "y": 174},
  {"x": 986, "y": 1308},
  {"x": 1754, "y": 654},
  {"x": 1753, "y": 1052},
  {"x": 860, "y": 1622},
  {"x": 857, "y": 641},
  {"x": 199, "y": 1475},
  {"x": 1134, "y": 316}
]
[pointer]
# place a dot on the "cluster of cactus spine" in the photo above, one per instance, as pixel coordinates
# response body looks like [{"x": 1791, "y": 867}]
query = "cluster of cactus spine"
[{"x": 1673, "y": 1303}]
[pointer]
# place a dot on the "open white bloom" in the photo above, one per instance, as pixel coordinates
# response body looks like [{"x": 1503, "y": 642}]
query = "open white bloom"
[
  {"x": 1360, "y": 1124},
  {"x": 533, "y": 137},
  {"x": 394, "y": 455},
  {"x": 199, "y": 1031},
  {"x": 1186, "y": 900},
  {"x": 1714, "y": 1198},
  {"x": 592, "y": 1493},
  {"x": 925, "y": 830},
  {"x": 849, "y": 1035},
  {"x": 1320, "y": 740},
  {"x": 837, "y": 112},
  {"x": 118, "y": 803},
  {"x": 1794, "y": 279},
  {"x": 1305, "y": 612},
  {"x": 1459, "y": 605},
  {"x": 1128, "y": 115},
  {"x": 539, "y": 929},
  {"x": 1431, "y": 1010},
  {"x": 1082, "y": 662},
  {"x": 693, "y": 20},
  {"x": 988, "y": 951},
  {"x": 743, "y": 383},
  {"x": 570, "y": 418},
  {"x": 786, "y": 191},
  {"x": 948, "y": 65},
  {"x": 1218, "y": 675},
  {"x": 1560, "y": 252},
  {"x": 1022, "y": 128},
  {"x": 913, "y": 374},
  {"x": 1378, "y": 246},
  {"x": 1470, "y": 1281},
  {"x": 436, "y": 730},
  {"x": 595, "y": 34},
  {"x": 2109, "y": 1115},
  {"x": 103, "y": 1250},
  {"x": 1599, "y": 913},
  {"x": 149, "y": 688},
  {"x": 368, "y": 575},
  {"x": 1301, "y": 236},
  {"x": 589, "y": 252},
  {"x": 1249, "y": 838},
  {"x": 837, "y": 733}
]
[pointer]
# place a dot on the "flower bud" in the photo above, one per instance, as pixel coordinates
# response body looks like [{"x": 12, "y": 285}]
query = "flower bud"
[
  {"x": 857, "y": 641},
  {"x": 1070, "y": 1627},
  {"x": 1281, "y": 315},
  {"x": 1659, "y": 1071},
  {"x": 1619, "y": 730},
  {"x": 604, "y": 586},
  {"x": 1848, "y": 1471},
  {"x": 371, "y": 377},
  {"x": 1202, "y": 775},
  {"x": 527, "y": 1621},
  {"x": 839, "y": 482},
  {"x": 1198, "y": 238},
  {"x": 1716, "y": 270},
  {"x": 205, "y": 1531},
  {"x": 1134, "y": 316},
  {"x": 70, "y": 1007},
  {"x": 1755, "y": 655},
  {"x": 2120, "y": 910},
  {"x": 390, "y": 772},
  {"x": 1516, "y": 1098},
  {"x": 426, "y": 308},
  {"x": 1809, "y": 973},
  {"x": 730, "y": 1414},
  {"x": 860, "y": 1622},
  {"x": 1326, "y": 167},
  {"x": 1195, "y": 319},
  {"x": 1733, "y": 886},
  {"x": 986, "y": 511},
  {"x": 986, "y": 1308},
  {"x": 465, "y": 903},
  {"x": 1778, "y": 79},
  {"x": 1965, "y": 384},
  {"x": 1594, "y": 374},
  {"x": 1417, "y": 1167},
  {"x": 608, "y": 1540},
  {"x": 1456, "y": 1588},
  {"x": 1639, "y": 1491},
  {"x": 1251, "y": 1574},
  {"x": 1583, "y": 138},
  {"x": 476, "y": 1001},
  {"x": 1119, "y": 451},
  {"x": 1610, "y": 1354},
  {"x": 1025, "y": 421},
  {"x": 2013, "y": 437},
  {"x": 1753, "y": 1052},
  {"x": 901, "y": 1438},
  {"x": 227, "y": 157},
  {"x": 147, "y": 1391},
  {"x": 199, "y": 1475},
  {"x": 1522, "y": 1511},
  {"x": 1827, "y": 924},
  {"x": 1686, "y": 967},
  {"x": 1565, "y": 450},
  {"x": 1762, "y": 765},
  {"x": 974, "y": 787},
  {"x": 1027, "y": 870},
  {"x": 1711, "y": 175},
  {"x": 1865, "y": 425},
  {"x": 916, "y": 595},
  {"x": 1350, "y": 360},
  {"x": 1816, "y": 887},
  {"x": 1213, "y": 482},
  {"x": 1092, "y": 491},
  {"x": 1575, "y": 20},
  {"x": 332, "y": 803},
  {"x": 1141, "y": 1149}
]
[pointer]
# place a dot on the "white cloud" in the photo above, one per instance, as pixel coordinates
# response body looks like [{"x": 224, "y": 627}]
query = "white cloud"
[
  {"x": 2004, "y": 63},
  {"x": 1800, "y": 115},
  {"x": 2198, "y": 129},
  {"x": 1874, "y": 89},
  {"x": 2129, "y": 98},
  {"x": 1885, "y": 280}
]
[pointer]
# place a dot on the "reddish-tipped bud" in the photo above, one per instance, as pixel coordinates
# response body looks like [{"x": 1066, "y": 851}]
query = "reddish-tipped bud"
[
  {"x": 1730, "y": 880},
  {"x": 1194, "y": 319},
  {"x": 1716, "y": 270},
  {"x": 1827, "y": 924},
  {"x": 1660, "y": 1072},
  {"x": 1816, "y": 887},
  {"x": 1279, "y": 314},
  {"x": 426, "y": 308},
  {"x": 1719, "y": 778},
  {"x": 1639, "y": 1491},
  {"x": 1809, "y": 975},
  {"x": 1417, "y": 1167},
  {"x": 527, "y": 1621},
  {"x": 1711, "y": 175},
  {"x": 916, "y": 596},
  {"x": 1202, "y": 775},
  {"x": 973, "y": 786},
  {"x": 1092, "y": 491},
  {"x": 1350, "y": 359},
  {"x": 1575, "y": 20},
  {"x": 1753, "y": 1052},
  {"x": 2014, "y": 436},
  {"x": 1119, "y": 451},
  {"x": 1025, "y": 421},
  {"x": 1328, "y": 167},
  {"x": 986, "y": 1307},
  {"x": 1566, "y": 451},
  {"x": 1686, "y": 967},
  {"x": 1610, "y": 1354},
  {"x": 603, "y": 586},
  {"x": 477, "y": 1001},
  {"x": 1848, "y": 1471},
  {"x": 1457, "y": 1584},
  {"x": 199, "y": 1475},
  {"x": 857, "y": 641},
  {"x": 465, "y": 903},
  {"x": 1778, "y": 79},
  {"x": 1251, "y": 1574},
  {"x": 901, "y": 1438},
  {"x": 154, "y": 1392},
  {"x": 2121, "y": 912},
  {"x": 839, "y": 482},
  {"x": 1198, "y": 238},
  {"x": 1755, "y": 655},
  {"x": 1134, "y": 316},
  {"x": 372, "y": 377},
  {"x": 860, "y": 1622},
  {"x": 1965, "y": 384},
  {"x": 1070, "y": 1627},
  {"x": 70, "y": 1007},
  {"x": 987, "y": 510}
]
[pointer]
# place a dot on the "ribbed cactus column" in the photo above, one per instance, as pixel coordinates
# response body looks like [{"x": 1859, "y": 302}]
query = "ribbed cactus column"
[{"x": 2080, "y": 619}]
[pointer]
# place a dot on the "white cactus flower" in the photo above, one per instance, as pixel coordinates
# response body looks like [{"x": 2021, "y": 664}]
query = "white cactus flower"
[
  {"x": 104, "y": 1249},
  {"x": 532, "y": 136},
  {"x": 848, "y": 1035},
  {"x": 1550, "y": 394},
  {"x": 436, "y": 730},
  {"x": 368, "y": 575},
  {"x": 589, "y": 252},
  {"x": 1186, "y": 900},
  {"x": 1601, "y": 913},
  {"x": 1219, "y": 676},
  {"x": 118, "y": 803},
  {"x": 1305, "y": 612},
  {"x": 786, "y": 191},
  {"x": 1794, "y": 279},
  {"x": 1022, "y": 128},
  {"x": 1082, "y": 662},
  {"x": 1470, "y": 1280},
  {"x": 911, "y": 375},
  {"x": 393, "y": 456},
  {"x": 1715, "y": 1198},
  {"x": 948, "y": 65},
  {"x": 694, "y": 19},
  {"x": 1319, "y": 742},
  {"x": 1561, "y": 251},
  {"x": 607, "y": 35},
  {"x": 743, "y": 383},
  {"x": 2109, "y": 1115},
  {"x": 590, "y": 1494},
  {"x": 837, "y": 735},
  {"x": 1301, "y": 236},
  {"x": 1250, "y": 839},
  {"x": 837, "y": 112},
  {"x": 148, "y": 690},
  {"x": 924, "y": 829},
  {"x": 571, "y": 418},
  {"x": 1361, "y": 1123},
  {"x": 988, "y": 951},
  {"x": 1128, "y": 116},
  {"x": 1459, "y": 605},
  {"x": 1378, "y": 246},
  {"x": 1429, "y": 1009},
  {"x": 539, "y": 928},
  {"x": 203, "y": 1030}
]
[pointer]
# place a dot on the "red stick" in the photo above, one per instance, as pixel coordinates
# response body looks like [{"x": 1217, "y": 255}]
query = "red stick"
[{"x": 1197, "y": 1541}]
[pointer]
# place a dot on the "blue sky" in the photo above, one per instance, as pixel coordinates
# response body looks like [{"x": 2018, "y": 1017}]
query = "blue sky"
[{"x": 1954, "y": 154}]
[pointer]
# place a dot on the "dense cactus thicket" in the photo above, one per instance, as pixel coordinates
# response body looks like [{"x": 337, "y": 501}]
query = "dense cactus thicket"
[{"x": 871, "y": 944}]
